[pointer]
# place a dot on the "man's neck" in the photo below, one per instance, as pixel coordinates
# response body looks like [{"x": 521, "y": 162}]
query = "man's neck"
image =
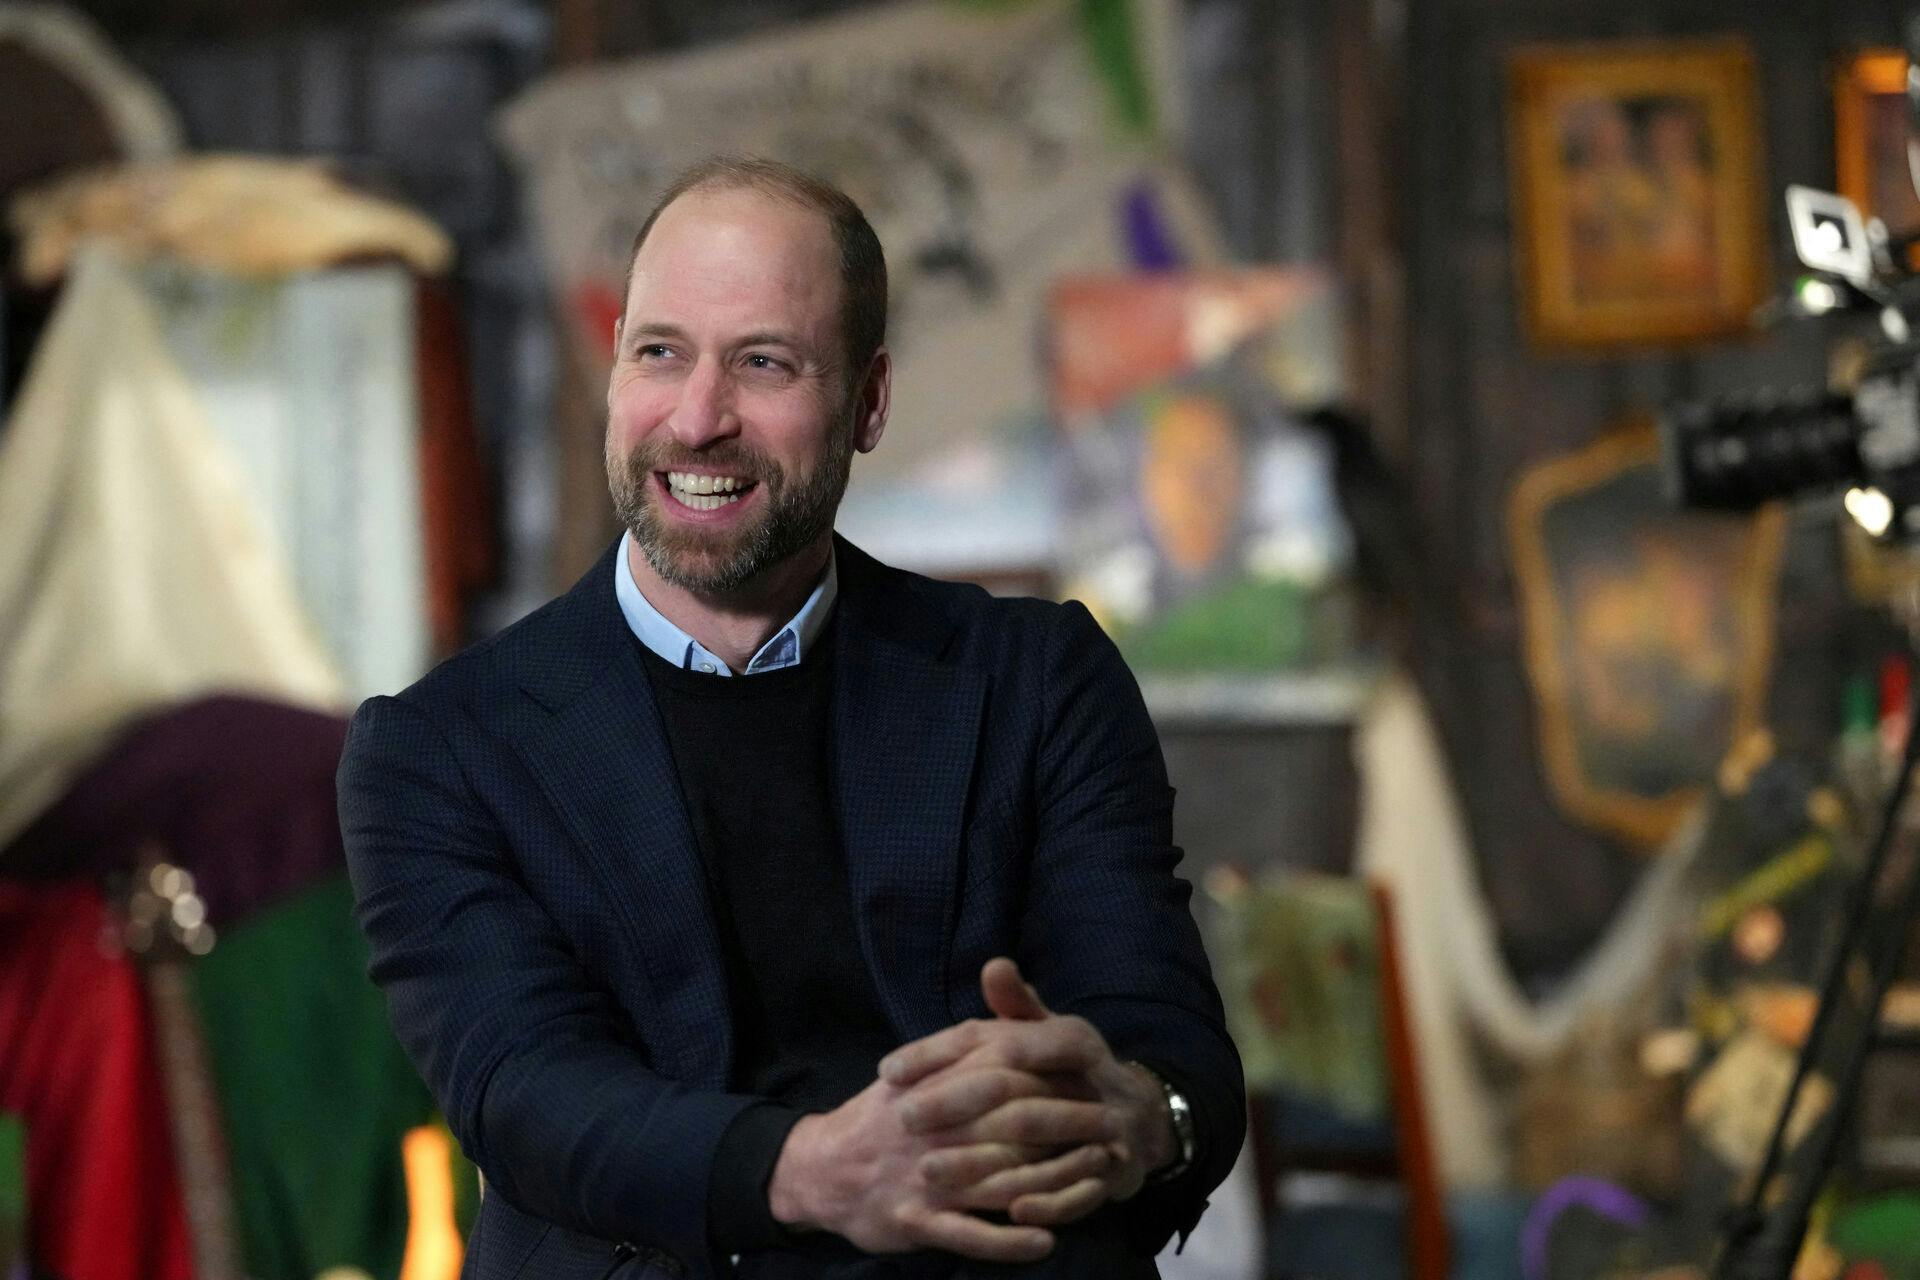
[{"x": 733, "y": 626}]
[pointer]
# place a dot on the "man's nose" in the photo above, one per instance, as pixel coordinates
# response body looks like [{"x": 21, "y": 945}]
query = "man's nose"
[{"x": 704, "y": 411}]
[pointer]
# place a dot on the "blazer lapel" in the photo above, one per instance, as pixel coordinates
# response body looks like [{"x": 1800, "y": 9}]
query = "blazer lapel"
[
  {"x": 603, "y": 760},
  {"x": 906, "y": 728}
]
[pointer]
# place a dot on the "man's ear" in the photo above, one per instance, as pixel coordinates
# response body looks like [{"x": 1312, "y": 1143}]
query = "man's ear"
[
  {"x": 619, "y": 323},
  {"x": 873, "y": 401}
]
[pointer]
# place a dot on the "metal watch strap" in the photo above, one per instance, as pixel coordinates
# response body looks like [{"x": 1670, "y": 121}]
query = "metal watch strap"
[{"x": 1181, "y": 1113}]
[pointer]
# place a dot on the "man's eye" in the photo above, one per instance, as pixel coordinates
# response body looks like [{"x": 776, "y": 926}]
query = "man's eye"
[
  {"x": 655, "y": 351},
  {"x": 758, "y": 361}
]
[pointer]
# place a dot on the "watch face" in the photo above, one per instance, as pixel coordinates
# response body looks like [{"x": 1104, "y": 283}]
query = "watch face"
[
  {"x": 1182, "y": 1123},
  {"x": 1182, "y": 1116}
]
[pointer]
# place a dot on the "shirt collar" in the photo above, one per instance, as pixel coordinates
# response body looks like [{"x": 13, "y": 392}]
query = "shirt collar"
[{"x": 784, "y": 648}]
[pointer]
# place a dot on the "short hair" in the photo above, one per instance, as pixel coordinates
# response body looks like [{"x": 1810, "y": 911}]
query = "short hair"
[{"x": 863, "y": 265}]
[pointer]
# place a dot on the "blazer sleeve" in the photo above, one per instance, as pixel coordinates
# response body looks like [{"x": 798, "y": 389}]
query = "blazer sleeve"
[
  {"x": 1108, "y": 932},
  {"x": 536, "y": 1069}
]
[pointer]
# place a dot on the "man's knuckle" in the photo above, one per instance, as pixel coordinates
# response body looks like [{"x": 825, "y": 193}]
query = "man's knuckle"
[{"x": 1083, "y": 1037}]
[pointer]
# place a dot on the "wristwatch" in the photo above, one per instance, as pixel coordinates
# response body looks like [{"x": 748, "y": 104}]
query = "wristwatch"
[{"x": 1181, "y": 1113}]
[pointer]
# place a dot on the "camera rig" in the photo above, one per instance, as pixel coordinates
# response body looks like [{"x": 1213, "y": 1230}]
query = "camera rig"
[{"x": 1862, "y": 442}]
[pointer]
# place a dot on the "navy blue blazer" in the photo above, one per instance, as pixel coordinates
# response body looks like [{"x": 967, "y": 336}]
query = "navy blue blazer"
[{"x": 527, "y": 876}]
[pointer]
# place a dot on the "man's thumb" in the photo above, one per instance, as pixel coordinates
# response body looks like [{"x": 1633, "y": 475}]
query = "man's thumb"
[{"x": 1008, "y": 994}]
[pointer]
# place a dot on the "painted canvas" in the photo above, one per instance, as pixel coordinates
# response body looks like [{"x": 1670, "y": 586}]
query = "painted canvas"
[
  {"x": 1648, "y": 632},
  {"x": 1637, "y": 191},
  {"x": 1199, "y": 520},
  {"x": 1872, "y": 132}
]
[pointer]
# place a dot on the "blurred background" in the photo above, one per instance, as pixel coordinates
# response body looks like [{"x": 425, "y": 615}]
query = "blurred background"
[{"x": 1331, "y": 353}]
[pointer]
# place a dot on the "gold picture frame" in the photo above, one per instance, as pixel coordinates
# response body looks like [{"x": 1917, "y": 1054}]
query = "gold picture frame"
[
  {"x": 1648, "y": 632},
  {"x": 1870, "y": 139},
  {"x": 1636, "y": 171}
]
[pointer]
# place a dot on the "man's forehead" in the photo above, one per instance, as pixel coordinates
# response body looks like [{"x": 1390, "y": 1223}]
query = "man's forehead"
[
  {"x": 743, "y": 218},
  {"x": 755, "y": 257}
]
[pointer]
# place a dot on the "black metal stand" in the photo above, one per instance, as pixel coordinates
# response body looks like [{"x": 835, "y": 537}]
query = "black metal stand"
[{"x": 1764, "y": 1236}]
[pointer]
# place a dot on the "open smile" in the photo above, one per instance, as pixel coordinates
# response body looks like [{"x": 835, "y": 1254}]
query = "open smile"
[{"x": 697, "y": 492}]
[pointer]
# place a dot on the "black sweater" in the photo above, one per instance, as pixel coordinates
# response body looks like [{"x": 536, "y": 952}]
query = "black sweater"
[{"x": 753, "y": 754}]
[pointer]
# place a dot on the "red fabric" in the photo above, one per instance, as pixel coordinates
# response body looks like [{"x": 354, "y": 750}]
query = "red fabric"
[
  {"x": 456, "y": 508},
  {"x": 78, "y": 1064}
]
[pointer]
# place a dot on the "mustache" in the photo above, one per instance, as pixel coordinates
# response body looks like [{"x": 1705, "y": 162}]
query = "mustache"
[{"x": 668, "y": 455}]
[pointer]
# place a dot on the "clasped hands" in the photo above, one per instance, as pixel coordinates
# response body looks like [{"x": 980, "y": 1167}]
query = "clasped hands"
[{"x": 1026, "y": 1114}]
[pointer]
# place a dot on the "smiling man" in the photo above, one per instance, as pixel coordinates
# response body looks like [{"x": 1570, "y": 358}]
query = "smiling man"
[{"x": 756, "y": 909}]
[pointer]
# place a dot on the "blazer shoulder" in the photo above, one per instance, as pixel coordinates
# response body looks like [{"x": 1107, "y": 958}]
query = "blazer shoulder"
[
  {"x": 986, "y": 629},
  {"x": 496, "y": 666}
]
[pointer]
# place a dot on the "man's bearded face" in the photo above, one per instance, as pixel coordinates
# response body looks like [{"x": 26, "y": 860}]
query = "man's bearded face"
[{"x": 731, "y": 415}]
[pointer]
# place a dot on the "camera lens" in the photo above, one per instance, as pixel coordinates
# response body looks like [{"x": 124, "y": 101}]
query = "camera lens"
[{"x": 1736, "y": 457}]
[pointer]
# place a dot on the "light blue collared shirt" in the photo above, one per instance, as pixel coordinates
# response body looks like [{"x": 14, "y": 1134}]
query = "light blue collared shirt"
[{"x": 784, "y": 648}]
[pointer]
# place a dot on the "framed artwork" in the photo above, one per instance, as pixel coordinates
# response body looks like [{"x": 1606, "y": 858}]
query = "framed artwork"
[
  {"x": 1648, "y": 632},
  {"x": 1637, "y": 191},
  {"x": 1301, "y": 976},
  {"x": 1198, "y": 516},
  {"x": 1871, "y": 136}
]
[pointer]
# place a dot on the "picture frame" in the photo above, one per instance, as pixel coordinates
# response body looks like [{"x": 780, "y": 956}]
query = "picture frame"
[
  {"x": 1638, "y": 200},
  {"x": 1871, "y": 137},
  {"x": 1647, "y": 632}
]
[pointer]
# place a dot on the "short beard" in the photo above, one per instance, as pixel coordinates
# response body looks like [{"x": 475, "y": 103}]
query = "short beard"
[{"x": 794, "y": 517}]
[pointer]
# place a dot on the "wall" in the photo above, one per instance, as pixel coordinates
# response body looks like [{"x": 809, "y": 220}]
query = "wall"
[
  {"x": 1481, "y": 406},
  {"x": 1371, "y": 134}
]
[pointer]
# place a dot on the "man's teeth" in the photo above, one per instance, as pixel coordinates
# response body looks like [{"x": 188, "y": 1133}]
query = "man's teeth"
[{"x": 705, "y": 493}]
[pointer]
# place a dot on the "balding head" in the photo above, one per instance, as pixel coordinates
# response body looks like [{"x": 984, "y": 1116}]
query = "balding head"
[{"x": 863, "y": 266}]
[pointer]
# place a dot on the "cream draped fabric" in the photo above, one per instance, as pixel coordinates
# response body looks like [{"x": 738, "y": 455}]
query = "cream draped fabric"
[
  {"x": 1412, "y": 839},
  {"x": 310, "y": 382},
  {"x": 135, "y": 568}
]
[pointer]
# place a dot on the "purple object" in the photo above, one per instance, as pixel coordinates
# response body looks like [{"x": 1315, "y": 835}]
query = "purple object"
[
  {"x": 1607, "y": 1199},
  {"x": 237, "y": 790},
  {"x": 1149, "y": 245}
]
